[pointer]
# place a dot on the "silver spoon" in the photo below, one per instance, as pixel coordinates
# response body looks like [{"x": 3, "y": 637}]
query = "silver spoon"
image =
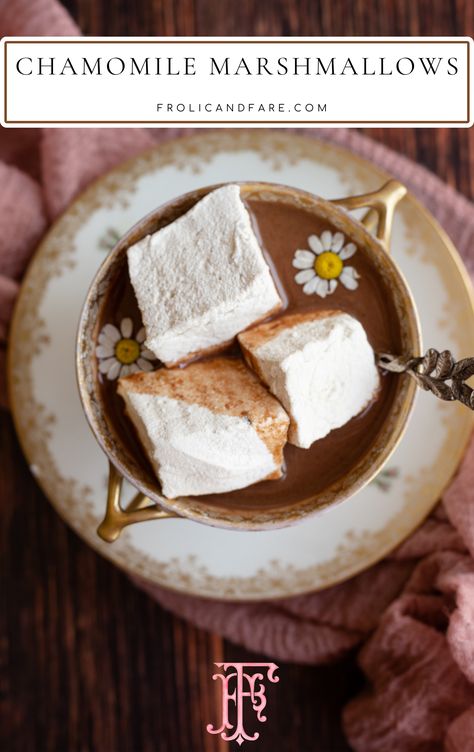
[{"x": 433, "y": 371}]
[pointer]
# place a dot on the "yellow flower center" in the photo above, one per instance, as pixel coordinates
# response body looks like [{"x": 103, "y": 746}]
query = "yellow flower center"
[
  {"x": 328, "y": 265},
  {"x": 127, "y": 351}
]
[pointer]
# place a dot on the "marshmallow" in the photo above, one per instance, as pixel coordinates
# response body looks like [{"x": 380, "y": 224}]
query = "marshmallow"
[
  {"x": 208, "y": 428},
  {"x": 201, "y": 279},
  {"x": 320, "y": 366}
]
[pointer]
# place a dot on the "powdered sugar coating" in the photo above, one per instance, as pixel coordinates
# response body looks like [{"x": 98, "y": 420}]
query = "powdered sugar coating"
[
  {"x": 322, "y": 370},
  {"x": 201, "y": 279},
  {"x": 196, "y": 451}
]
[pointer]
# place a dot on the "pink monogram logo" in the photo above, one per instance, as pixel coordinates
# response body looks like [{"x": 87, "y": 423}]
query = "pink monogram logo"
[{"x": 238, "y": 685}]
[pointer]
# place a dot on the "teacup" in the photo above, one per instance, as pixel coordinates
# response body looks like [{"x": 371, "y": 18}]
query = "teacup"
[{"x": 336, "y": 467}]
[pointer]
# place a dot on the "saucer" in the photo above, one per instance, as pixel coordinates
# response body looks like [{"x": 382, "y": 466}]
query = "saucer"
[{"x": 68, "y": 463}]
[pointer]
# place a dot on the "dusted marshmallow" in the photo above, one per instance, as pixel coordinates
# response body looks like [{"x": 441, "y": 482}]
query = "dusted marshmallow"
[
  {"x": 201, "y": 279},
  {"x": 208, "y": 428},
  {"x": 320, "y": 366}
]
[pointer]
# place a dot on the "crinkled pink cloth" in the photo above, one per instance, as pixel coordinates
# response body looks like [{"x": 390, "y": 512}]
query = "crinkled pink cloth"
[{"x": 413, "y": 613}]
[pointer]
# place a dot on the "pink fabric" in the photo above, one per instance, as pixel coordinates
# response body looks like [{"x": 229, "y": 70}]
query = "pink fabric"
[{"x": 413, "y": 612}]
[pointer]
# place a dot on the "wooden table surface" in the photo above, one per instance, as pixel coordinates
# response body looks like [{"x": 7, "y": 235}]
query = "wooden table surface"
[{"x": 89, "y": 663}]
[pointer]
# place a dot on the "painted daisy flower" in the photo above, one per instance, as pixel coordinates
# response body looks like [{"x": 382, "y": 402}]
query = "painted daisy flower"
[
  {"x": 121, "y": 354},
  {"x": 323, "y": 266}
]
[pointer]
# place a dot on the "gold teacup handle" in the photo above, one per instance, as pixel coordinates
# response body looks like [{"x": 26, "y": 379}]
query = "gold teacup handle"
[
  {"x": 140, "y": 509},
  {"x": 382, "y": 204}
]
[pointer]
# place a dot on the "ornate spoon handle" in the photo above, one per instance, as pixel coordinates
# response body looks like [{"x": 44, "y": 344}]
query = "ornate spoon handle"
[{"x": 433, "y": 371}]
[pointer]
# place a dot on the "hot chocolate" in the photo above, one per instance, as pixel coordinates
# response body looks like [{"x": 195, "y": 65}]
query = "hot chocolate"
[{"x": 283, "y": 228}]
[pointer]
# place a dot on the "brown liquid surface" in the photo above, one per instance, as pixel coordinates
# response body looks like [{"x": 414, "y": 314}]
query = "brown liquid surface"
[{"x": 282, "y": 229}]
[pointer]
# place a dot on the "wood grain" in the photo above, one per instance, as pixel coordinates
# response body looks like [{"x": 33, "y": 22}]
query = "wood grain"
[{"x": 89, "y": 663}]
